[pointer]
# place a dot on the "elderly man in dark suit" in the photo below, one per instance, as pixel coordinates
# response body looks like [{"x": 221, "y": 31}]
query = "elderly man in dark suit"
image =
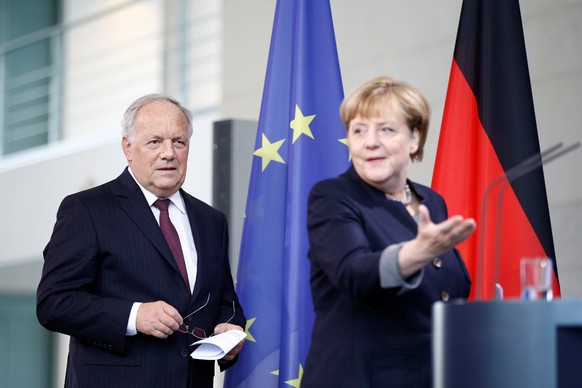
[{"x": 137, "y": 269}]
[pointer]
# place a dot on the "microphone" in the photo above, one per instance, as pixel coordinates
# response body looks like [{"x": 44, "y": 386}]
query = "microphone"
[
  {"x": 511, "y": 172},
  {"x": 523, "y": 168}
]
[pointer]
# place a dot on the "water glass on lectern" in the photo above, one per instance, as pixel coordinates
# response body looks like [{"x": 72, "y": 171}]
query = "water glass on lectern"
[{"x": 536, "y": 278}]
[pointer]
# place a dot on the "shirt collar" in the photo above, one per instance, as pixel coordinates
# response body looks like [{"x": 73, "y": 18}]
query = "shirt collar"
[{"x": 150, "y": 197}]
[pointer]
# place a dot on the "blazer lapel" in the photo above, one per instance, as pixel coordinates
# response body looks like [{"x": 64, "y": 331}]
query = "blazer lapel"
[{"x": 375, "y": 197}]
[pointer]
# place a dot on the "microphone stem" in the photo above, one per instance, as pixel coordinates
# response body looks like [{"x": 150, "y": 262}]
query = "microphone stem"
[
  {"x": 513, "y": 173},
  {"x": 545, "y": 158}
]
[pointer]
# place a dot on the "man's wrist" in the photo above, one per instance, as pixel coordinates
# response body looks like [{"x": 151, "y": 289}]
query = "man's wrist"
[{"x": 132, "y": 320}]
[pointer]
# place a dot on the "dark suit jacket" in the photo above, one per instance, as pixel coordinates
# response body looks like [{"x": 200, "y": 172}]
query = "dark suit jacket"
[
  {"x": 364, "y": 335},
  {"x": 106, "y": 252}
]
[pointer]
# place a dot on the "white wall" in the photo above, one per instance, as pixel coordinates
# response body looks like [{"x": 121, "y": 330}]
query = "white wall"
[
  {"x": 110, "y": 59},
  {"x": 414, "y": 40}
]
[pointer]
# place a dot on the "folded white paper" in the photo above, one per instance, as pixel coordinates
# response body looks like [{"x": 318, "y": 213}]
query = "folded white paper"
[{"x": 217, "y": 346}]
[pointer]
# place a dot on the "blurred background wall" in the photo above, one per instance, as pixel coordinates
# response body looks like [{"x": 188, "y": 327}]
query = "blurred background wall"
[{"x": 69, "y": 68}]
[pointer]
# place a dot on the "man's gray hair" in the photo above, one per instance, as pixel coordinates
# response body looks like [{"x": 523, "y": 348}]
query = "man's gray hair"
[{"x": 130, "y": 114}]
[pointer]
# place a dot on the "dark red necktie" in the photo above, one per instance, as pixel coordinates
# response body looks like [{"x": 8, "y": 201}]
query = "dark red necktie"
[{"x": 171, "y": 236}]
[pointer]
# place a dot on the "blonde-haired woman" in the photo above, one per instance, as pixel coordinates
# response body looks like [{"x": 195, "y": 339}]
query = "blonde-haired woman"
[{"x": 381, "y": 249}]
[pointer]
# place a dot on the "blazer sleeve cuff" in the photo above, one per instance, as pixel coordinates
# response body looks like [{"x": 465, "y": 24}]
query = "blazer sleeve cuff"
[{"x": 390, "y": 271}]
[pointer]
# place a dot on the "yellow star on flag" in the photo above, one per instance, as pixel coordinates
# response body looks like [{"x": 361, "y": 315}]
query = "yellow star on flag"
[
  {"x": 269, "y": 152},
  {"x": 345, "y": 141},
  {"x": 247, "y": 330},
  {"x": 300, "y": 124},
  {"x": 296, "y": 382}
]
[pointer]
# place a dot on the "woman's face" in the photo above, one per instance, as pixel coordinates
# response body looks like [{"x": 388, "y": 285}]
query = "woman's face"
[{"x": 381, "y": 147}]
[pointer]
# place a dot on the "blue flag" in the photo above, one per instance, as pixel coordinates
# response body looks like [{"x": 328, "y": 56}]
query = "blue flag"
[{"x": 300, "y": 141}]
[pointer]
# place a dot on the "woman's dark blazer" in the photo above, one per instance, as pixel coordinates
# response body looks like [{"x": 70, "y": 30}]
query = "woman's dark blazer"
[{"x": 364, "y": 335}]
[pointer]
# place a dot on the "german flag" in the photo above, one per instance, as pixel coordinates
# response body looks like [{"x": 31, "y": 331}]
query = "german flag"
[{"x": 488, "y": 128}]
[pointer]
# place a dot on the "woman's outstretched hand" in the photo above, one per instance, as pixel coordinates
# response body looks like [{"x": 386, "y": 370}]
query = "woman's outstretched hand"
[{"x": 432, "y": 240}]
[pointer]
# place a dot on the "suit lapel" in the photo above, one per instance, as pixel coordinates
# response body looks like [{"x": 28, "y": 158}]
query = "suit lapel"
[
  {"x": 133, "y": 203},
  {"x": 200, "y": 242}
]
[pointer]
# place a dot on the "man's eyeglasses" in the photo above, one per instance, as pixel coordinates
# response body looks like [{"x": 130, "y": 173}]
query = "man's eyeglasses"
[{"x": 196, "y": 331}]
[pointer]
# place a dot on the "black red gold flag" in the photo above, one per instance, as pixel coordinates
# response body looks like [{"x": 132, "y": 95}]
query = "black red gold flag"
[{"x": 489, "y": 127}]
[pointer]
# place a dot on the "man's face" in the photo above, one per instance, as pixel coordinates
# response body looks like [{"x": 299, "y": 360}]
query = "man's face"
[{"x": 159, "y": 155}]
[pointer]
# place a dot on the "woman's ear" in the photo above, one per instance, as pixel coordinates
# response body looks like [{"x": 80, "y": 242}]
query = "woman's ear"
[{"x": 415, "y": 140}]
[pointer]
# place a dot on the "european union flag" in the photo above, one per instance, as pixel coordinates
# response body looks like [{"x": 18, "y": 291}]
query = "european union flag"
[{"x": 300, "y": 140}]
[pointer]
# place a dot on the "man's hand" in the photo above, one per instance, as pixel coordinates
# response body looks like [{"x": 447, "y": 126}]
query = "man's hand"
[
  {"x": 224, "y": 327},
  {"x": 158, "y": 319}
]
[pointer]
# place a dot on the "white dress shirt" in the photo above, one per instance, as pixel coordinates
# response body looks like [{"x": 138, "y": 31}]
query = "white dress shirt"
[{"x": 179, "y": 218}]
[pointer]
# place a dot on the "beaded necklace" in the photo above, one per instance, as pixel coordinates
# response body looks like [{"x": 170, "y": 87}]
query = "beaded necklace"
[{"x": 408, "y": 193}]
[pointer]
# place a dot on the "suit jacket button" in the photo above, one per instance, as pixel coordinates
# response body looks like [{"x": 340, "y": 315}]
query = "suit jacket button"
[
  {"x": 437, "y": 263},
  {"x": 184, "y": 352},
  {"x": 445, "y": 296}
]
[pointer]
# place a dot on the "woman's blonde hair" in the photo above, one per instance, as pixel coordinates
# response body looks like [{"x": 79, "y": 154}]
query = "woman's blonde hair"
[{"x": 370, "y": 98}]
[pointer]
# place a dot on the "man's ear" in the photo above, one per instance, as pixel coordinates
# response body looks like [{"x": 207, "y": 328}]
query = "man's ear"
[{"x": 126, "y": 146}]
